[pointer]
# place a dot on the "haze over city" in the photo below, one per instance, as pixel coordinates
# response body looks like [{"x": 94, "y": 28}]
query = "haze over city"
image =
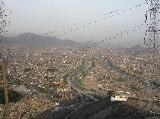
[
  {"x": 41, "y": 16},
  {"x": 79, "y": 59}
]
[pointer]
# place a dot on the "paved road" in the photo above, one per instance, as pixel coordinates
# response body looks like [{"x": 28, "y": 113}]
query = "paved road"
[
  {"x": 70, "y": 79},
  {"x": 97, "y": 109},
  {"x": 146, "y": 86}
]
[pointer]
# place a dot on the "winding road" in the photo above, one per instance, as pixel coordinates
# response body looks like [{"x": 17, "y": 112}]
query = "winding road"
[
  {"x": 70, "y": 79},
  {"x": 96, "y": 109},
  {"x": 145, "y": 85}
]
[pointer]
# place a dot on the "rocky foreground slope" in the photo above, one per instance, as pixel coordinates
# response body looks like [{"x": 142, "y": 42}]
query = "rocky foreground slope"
[{"x": 102, "y": 109}]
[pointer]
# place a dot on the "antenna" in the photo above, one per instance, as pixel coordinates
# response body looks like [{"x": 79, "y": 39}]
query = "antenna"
[{"x": 151, "y": 39}]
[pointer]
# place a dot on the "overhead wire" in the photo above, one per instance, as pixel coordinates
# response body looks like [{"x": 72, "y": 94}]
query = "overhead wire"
[{"x": 102, "y": 17}]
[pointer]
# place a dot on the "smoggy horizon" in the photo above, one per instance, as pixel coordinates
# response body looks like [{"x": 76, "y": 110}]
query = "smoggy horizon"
[{"x": 78, "y": 20}]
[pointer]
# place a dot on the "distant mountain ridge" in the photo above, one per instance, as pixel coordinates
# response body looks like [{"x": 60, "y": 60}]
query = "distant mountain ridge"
[
  {"x": 137, "y": 49},
  {"x": 38, "y": 41}
]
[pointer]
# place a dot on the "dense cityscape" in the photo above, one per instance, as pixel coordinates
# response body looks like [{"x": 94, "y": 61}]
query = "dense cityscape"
[
  {"x": 52, "y": 78},
  {"x": 79, "y": 59}
]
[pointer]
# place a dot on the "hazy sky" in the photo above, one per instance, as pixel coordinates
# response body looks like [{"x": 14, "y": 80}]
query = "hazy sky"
[{"x": 41, "y": 16}]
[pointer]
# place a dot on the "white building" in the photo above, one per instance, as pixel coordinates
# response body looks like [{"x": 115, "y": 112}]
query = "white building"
[{"x": 121, "y": 98}]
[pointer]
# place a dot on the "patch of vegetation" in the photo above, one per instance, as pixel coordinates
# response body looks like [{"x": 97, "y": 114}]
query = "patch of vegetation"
[
  {"x": 133, "y": 87},
  {"x": 27, "y": 69},
  {"x": 69, "y": 62},
  {"x": 84, "y": 73},
  {"x": 81, "y": 82},
  {"x": 13, "y": 96},
  {"x": 42, "y": 90},
  {"x": 15, "y": 82},
  {"x": 0, "y": 72},
  {"x": 156, "y": 83},
  {"x": 50, "y": 77},
  {"x": 52, "y": 90},
  {"x": 52, "y": 70},
  {"x": 138, "y": 72}
]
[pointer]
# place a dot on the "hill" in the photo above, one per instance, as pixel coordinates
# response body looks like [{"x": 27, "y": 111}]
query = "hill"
[{"x": 35, "y": 41}]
